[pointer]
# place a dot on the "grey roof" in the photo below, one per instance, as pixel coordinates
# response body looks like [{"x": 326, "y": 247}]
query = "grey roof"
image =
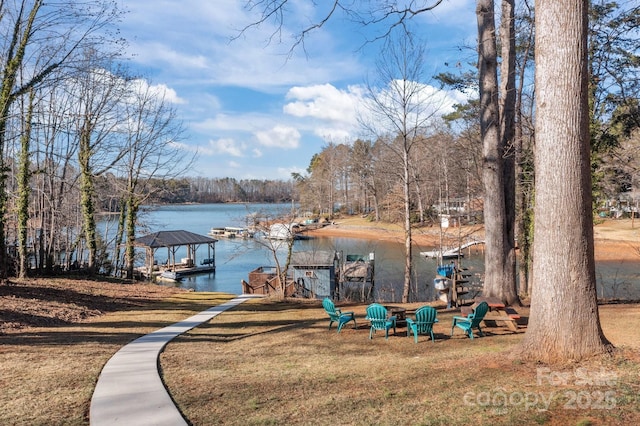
[
  {"x": 312, "y": 258},
  {"x": 173, "y": 238}
]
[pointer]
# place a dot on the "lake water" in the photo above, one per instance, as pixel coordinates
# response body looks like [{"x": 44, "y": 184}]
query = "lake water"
[{"x": 235, "y": 258}]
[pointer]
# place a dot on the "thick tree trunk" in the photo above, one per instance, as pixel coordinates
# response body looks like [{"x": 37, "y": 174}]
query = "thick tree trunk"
[
  {"x": 507, "y": 118},
  {"x": 499, "y": 260},
  {"x": 564, "y": 322}
]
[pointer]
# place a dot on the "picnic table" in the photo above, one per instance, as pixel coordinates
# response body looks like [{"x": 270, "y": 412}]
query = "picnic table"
[{"x": 498, "y": 312}]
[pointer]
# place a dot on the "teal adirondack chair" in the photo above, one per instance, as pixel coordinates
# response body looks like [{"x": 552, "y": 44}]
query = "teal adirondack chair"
[
  {"x": 426, "y": 316},
  {"x": 336, "y": 315},
  {"x": 471, "y": 321},
  {"x": 377, "y": 315}
]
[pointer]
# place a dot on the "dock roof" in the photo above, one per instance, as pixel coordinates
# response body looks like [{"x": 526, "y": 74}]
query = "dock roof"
[
  {"x": 172, "y": 239},
  {"x": 312, "y": 258}
]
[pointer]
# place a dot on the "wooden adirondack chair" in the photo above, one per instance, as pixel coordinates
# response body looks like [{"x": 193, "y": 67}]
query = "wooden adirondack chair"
[
  {"x": 426, "y": 316},
  {"x": 377, "y": 315},
  {"x": 471, "y": 321},
  {"x": 336, "y": 315}
]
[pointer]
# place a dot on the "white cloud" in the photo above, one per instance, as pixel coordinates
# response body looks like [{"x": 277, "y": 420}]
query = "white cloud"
[
  {"x": 247, "y": 121},
  {"x": 160, "y": 90},
  {"x": 329, "y": 112},
  {"x": 334, "y": 134},
  {"x": 226, "y": 146},
  {"x": 156, "y": 52},
  {"x": 325, "y": 102},
  {"x": 185, "y": 147},
  {"x": 279, "y": 137},
  {"x": 220, "y": 146}
]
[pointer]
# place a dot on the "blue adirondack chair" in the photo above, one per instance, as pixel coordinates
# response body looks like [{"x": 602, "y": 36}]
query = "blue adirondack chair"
[
  {"x": 426, "y": 316},
  {"x": 377, "y": 315},
  {"x": 471, "y": 321},
  {"x": 336, "y": 315}
]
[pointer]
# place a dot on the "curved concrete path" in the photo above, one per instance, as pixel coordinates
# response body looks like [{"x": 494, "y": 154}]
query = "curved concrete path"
[{"x": 130, "y": 391}]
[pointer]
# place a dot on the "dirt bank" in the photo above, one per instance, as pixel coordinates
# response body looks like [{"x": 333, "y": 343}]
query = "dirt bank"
[{"x": 614, "y": 239}]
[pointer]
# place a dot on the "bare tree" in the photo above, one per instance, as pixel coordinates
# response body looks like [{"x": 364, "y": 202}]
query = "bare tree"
[
  {"x": 402, "y": 106},
  {"x": 98, "y": 92},
  {"x": 54, "y": 30},
  {"x": 150, "y": 151},
  {"x": 564, "y": 267},
  {"x": 53, "y": 210}
]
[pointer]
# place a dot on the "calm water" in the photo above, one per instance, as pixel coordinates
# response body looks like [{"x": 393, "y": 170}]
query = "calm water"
[{"x": 235, "y": 258}]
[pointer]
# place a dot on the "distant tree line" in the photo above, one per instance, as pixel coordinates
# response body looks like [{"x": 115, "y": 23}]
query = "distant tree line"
[
  {"x": 181, "y": 190},
  {"x": 223, "y": 190}
]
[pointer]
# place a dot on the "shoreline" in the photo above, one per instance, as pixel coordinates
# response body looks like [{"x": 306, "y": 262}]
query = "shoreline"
[{"x": 614, "y": 240}]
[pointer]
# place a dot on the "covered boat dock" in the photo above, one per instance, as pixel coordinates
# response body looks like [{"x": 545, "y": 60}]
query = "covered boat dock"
[{"x": 172, "y": 241}]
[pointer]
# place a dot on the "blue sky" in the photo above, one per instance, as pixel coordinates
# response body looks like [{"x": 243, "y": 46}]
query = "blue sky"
[{"x": 253, "y": 109}]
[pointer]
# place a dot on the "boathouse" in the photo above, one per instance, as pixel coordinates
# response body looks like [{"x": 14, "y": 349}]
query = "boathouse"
[
  {"x": 312, "y": 274},
  {"x": 315, "y": 273},
  {"x": 172, "y": 241}
]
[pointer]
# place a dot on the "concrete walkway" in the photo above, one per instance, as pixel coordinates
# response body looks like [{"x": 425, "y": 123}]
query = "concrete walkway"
[{"x": 130, "y": 391}]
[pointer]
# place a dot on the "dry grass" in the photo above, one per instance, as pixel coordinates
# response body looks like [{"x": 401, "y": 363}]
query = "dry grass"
[
  {"x": 47, "y": 373},
  {"x": 275, "y": 362},
  {"x": 269, "y": 362}
]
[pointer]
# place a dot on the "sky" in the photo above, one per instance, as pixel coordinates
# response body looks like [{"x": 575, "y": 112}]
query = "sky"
[{"x": 253, "y": 105}]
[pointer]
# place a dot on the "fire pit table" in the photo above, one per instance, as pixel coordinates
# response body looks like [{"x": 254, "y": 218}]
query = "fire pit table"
[{"x": 400, "y": 314}]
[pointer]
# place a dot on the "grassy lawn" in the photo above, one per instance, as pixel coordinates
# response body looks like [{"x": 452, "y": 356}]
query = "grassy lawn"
[
  {"x": 47, "y": 373},
  {"x": 275, "y": 362},
  {"x": 270, "y": 362}
]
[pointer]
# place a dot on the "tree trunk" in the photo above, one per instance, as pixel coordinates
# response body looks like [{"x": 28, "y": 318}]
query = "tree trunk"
[
  {"x": 87, "y": 190},
  {"x": 130, "y": 230},
  {"x": 507, "y": 119},
  {"x": 564, "y": 323},
  {"x": 499, "y": 264},
  {"x": 407, "y": 227},
  {"x": 524, "y": 192},
  {"x": 24, "y": 190},
  {"x": 119, "y": 263}
]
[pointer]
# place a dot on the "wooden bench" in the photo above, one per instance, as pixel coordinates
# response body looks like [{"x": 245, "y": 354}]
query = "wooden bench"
[
  {"x": 509, "y": 321},
  {"x": 500, "y": 313}
]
